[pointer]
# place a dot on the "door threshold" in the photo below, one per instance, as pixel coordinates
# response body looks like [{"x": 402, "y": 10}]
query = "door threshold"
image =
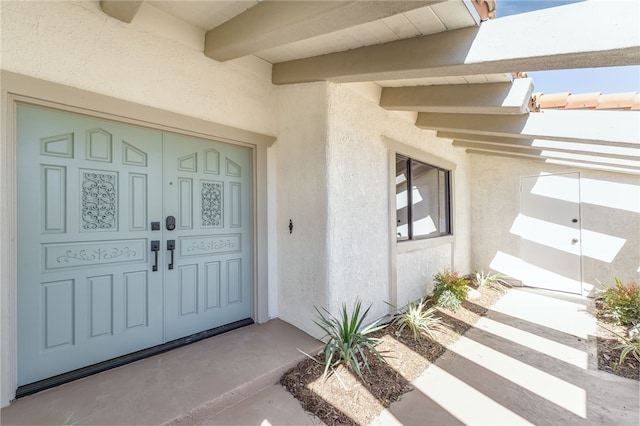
[{"x": 70, "y": 376}]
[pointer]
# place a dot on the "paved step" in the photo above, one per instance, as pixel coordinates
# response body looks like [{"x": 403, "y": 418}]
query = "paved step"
[
  {"x": 185, "y": 384},
  {"x": 273, "y": 405}
]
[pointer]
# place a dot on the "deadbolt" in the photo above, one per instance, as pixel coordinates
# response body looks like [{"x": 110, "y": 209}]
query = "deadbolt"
[{"x": 170, "y": 223}]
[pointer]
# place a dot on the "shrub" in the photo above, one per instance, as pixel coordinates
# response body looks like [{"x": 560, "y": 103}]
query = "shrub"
[
  {"x": 348, "y": 339},
  {"x": 621, "y": 303},
  {"x": 420, "y": 321},
  {"x": 450, "y": 289}
]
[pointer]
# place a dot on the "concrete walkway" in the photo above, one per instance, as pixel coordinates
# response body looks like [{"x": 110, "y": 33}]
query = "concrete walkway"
[{"x": 529, "y": 360}]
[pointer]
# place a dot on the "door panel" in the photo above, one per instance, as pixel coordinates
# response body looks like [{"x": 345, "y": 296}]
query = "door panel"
[
  {"x": 207, "y": 188},
  {"x": 86, "y": 292},
  {"x": 549, "y": 227}
]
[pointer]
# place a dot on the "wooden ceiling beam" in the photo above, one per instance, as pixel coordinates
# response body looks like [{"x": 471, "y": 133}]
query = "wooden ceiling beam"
[
  {"x": 593, "y": 145},
  {"x": 534, "y": 150},
  {"x": 572, "y": 125},
  {"x": 489, "y": 98},
  {"x": 276, "y": 23},
  {"x": 559, "y": 161},
  {"x": 607, "y": 34},
  {"x": 122, "y": 10}
]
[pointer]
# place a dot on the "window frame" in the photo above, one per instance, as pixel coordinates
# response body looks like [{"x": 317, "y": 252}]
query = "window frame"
[
  {"x": 396, "y": 247},
  {"x": 410, "y": 165},
  {"x": 412, "y": 234}
]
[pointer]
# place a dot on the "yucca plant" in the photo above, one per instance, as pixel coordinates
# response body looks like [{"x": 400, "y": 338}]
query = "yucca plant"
[
  {"x": 420, "y": 321},
  {"x": 348, "y": 338},
  {"x": 450, "y": 289},
  {"x": 482, "y": 279}
]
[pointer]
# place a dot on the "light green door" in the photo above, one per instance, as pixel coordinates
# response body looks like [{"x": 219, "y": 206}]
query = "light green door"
[
  {"x": 207, "y": 191},
  {"x": 89, "y": 286}
]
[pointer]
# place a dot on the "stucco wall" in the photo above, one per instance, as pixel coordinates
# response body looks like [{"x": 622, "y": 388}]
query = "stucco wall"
[
  {"x": 302, "y": 198},
  {"x": 76, "y": 44},
  {"x": 359, "y": 177},
  {"x": 610, "y": 205},
  {"x": 333, "y": 182}
]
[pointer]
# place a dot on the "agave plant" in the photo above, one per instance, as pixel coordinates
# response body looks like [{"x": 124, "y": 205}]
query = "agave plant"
[
  {"x": 420, "y": 321},
  {"x": 348, "y": 338}
]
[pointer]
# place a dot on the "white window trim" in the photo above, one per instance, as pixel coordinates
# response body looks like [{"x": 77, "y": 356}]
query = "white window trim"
[{"x": 396, "y": 247}]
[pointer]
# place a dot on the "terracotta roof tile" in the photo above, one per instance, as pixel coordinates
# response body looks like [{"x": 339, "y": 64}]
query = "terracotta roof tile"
[
  {"x": 486, "y": 9},
  {"x": 596, "y": 100}
]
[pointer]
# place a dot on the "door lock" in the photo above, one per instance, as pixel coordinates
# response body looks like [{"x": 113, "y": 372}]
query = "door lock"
[{"x": 170, "y": 223}]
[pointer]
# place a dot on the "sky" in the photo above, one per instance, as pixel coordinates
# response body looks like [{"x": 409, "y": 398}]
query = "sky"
[{"x": 587, "y": 80}]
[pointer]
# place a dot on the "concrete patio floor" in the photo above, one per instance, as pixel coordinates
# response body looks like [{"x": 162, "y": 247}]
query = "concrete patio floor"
[
  {"x": 185, "y": 385},
  {"x": 530, "y": 360}
]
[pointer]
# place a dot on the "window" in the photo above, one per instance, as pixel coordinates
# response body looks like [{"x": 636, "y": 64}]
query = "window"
[{"x": 425, "y": 210}]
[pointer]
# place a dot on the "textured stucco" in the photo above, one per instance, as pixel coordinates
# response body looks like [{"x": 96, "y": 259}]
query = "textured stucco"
[
  {"x": 416, "y": 270},
  {"x": 358, "y": 179},
  {"x": 610, "y": 205},
  {"x": 302, "y": 198},
  {"x": 333, "y": 182},
  {"x": 76, "y": 44}
]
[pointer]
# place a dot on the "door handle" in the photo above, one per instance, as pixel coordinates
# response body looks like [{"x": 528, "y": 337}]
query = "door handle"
[
  {"x": 574, "y": 240},
  {"x": 171, "y": 246},
  {"x": 155, "y": 247}
]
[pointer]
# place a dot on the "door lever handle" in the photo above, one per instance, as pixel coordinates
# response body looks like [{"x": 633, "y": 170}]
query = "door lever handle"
[
  {"x": 155, "y": 247},
  {"x": 171, "y": 246}
]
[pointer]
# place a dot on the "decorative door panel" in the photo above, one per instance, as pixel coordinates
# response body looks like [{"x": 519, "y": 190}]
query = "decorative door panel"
[
  {"x": 86, "y": 197},
  {"x": 207, "y": 190}
]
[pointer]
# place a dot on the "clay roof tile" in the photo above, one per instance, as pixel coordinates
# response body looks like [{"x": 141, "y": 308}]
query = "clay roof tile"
[
  {"x": 486, "y": 9},
  {"x": 596, "y": 100}
]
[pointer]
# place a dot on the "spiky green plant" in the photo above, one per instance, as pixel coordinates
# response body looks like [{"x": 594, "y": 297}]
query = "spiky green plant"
[
  {"x": 421, "y": 321},
  {"x": 348, "y": 338},
  {"x": 482, "y": 279},
  {"x": 450, "y": 289},
  {"x": 629, "y": 345}
]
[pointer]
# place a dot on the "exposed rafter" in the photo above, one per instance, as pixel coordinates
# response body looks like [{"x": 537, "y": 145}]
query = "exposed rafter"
[
  {"x": 275, "y": 23},
  {"x": 592, "y": 145},
  {"x": 605, "y": 35},
  {"x": 122, "y": 10},
  {"x": 534, "y": 150},
  {"x": 490, "y": 98},
  {"x": 602, "y": 126},
  {"x": 562, "y": 161}
]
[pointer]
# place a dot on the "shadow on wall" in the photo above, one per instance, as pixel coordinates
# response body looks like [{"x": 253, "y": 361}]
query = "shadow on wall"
[{"x": 573, "y": 233}]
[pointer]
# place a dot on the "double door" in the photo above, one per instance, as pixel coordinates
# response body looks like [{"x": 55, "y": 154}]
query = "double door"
[{"x": 128, "y": 238}]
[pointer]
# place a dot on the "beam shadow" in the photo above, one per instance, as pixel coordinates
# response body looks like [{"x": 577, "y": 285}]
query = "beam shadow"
[
  {"x": 533, "y": 328},
  {"x": 523, "y": 402}
]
